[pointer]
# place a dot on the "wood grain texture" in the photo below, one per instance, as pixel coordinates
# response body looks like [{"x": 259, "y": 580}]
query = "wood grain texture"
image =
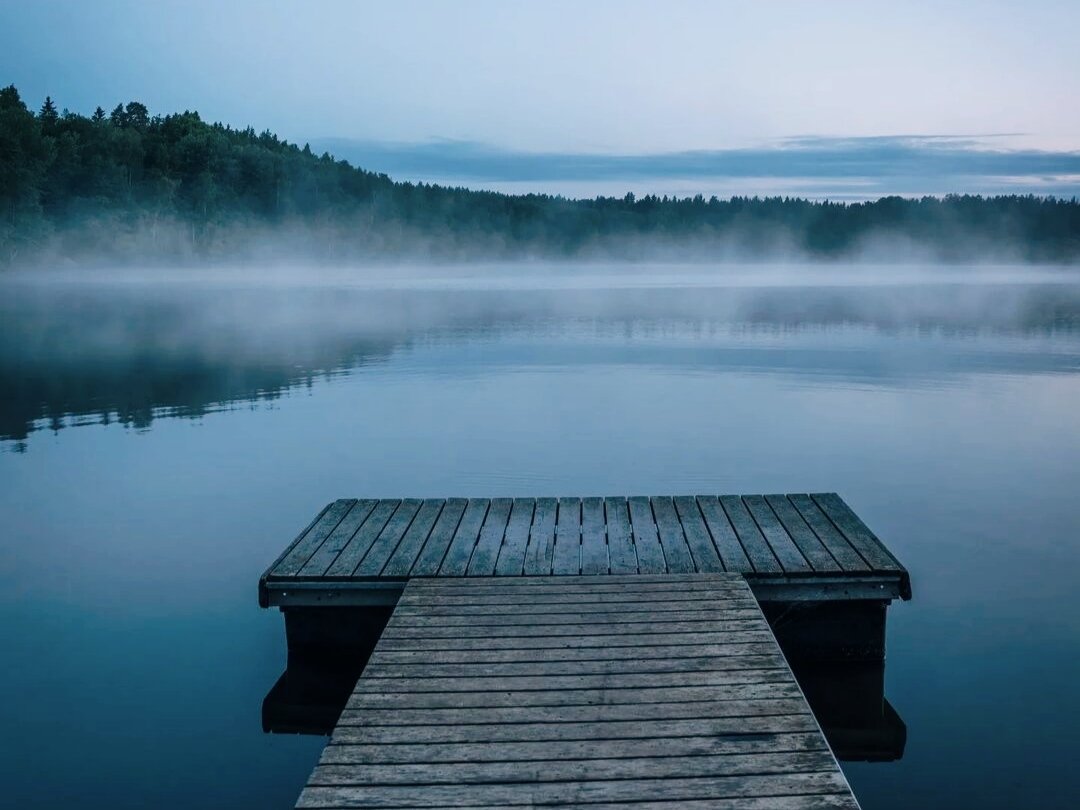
[{"x": 527, "y": 693}]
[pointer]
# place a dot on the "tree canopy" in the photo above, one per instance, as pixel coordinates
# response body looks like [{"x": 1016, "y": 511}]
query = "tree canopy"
[{"x": 129, "y": 185}]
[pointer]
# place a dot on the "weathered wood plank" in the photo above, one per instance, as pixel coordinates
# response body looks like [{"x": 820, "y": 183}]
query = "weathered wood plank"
[
  {"x": 594, "y": 550},
  {"x": 434, "y": 549},
  {"x": 676, "y": 551},
  {"x": 846, "y": 556},
  {"x": 768, "y": 672},
  {"x": 511, "y": 560},
  {"x": 754, "y": 544},
  {"x": 456, "y": 561},
  {"x": 345, "y": 753},
  {"x": 656, "y": 625},
  {"x": 724, "y": 611},
  {"x": 811, "y": 547},
  {"x": 573, "y": 642},
  {"x": 621, "y": 551},
  {"x": 567, "y": 557},
  {"x": 723, "y": 534},
  {"x": 584, "y": 723},
  {"x": 388, "y": 538},
  {"x": 530, "y": 794},
  {"x": 706, "y": 600},
  {"x": 778, "y": 539},
  {"x": 401, "y": 560},
  {"x": 349, "y": 557},
  {"x": 773, "y": 690},
  {"x": 650, "y": 554},
  {"x": 325, "y": 555},
  {"x": 544, "y": 669},
  {"x": 567, "y": 690},
  {"x": 582, "y": 770},
  {"x": 857, "y": 533},
  {"x": 486, "y": 551},
  {"x": 314, "y": 537},
  {"x": 541, "y": 550},
  {"x": 665, "y": 652},
  {"x": 697, "y": 536}
]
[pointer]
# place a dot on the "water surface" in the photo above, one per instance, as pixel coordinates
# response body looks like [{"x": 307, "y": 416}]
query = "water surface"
[{"x": 161, "y": 442}]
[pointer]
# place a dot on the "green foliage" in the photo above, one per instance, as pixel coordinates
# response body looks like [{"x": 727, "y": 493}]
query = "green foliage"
[{"x": 129, "y": 185}]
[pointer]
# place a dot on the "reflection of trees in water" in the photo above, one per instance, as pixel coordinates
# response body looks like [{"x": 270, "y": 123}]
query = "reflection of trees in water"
[{"x": 77, "y": 354}]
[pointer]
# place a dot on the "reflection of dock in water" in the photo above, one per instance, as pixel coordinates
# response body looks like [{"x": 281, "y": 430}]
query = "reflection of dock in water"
[{"x": 596, "y": 654}]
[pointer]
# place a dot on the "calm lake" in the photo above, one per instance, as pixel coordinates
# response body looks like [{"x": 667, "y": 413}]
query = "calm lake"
[{"x": 161, "y": 442}]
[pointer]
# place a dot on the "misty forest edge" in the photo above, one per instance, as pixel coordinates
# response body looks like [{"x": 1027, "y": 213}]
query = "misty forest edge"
[{"x": 128, "y": 186}]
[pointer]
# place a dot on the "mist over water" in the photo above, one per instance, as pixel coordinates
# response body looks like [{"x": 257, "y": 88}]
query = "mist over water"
[{"x": 164, "y": 435}]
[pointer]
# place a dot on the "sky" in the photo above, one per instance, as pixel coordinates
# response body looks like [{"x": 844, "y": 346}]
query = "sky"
[{"x": 583, "y": 96}]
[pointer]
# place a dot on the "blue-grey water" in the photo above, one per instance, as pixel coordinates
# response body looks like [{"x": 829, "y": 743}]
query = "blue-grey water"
[{"x": 160, "y": 442}]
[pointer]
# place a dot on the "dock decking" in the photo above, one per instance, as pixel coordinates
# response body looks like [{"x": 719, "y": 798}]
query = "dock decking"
[
  {"x": 789, "y": 547},
  {"x": 664, "y": 690}
]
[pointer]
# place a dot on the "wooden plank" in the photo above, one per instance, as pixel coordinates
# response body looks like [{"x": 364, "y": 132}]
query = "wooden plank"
[
  {"x": 486, "y": 551},
  {"x": 573, "y": 642},
  {"x": 582, "y": 582},
  {"x": 706, "y": 600},
  {"x": 456, "y": 561},
  {"x": 725, "y": 611},
  {"x": 511, "y": 560},
  {"x": 431, "y": 555},
  {"x": 676, "y": 551},
  {"x": 840, "y": 549},
  {"x": 543, "y": 669},
  {"x": 554, "y": 770},
  {"x": 387, "y": 541},
  {"x": 650, "y": 554},
  {"x": 732, "y": 554},
  {"x": 567, "y": 557},
  {"x": 811, "y": 547},
  {"x": 657, "y": 625},
  {"x": 594, "y": 549},
  {"x": 775, "y": 535},
  {"x": 407, "y": 551},
  {"x": 757, "y": 549},
  {"x": 621, "y": 551},
  {"x": 664, "y": 583},
  {"x": 541, "y": 550},
  {"x": 743, "y": 692},
  {"x": 314, "y": 537},
  {"x": 591, "y": 723},
  {"x": 540, "y": 750},
  {"x": 325, "y": 555},
  {"x": 768, "y": 672},
  {"x": 665, "y": 652},
  {"x": 697, "y": 535},
  {"x": 531, "y": 794},
  {"x": 349, "y": 557},
  {"x": 857, "y": 533}
]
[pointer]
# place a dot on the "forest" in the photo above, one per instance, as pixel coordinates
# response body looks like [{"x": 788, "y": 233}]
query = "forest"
[{"x": 128, "y": 186}]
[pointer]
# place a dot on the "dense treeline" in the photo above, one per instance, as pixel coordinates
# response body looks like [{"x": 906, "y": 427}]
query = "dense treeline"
[{"x": 128, "y": 185}]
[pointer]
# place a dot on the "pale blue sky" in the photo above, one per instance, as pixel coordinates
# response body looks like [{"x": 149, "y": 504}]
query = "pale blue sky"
[{"x": 628, "y": 78}]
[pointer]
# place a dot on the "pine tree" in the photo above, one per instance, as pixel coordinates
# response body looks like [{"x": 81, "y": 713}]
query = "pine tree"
[
  {"x": 48, "y": 115},
  {"x": 98, "y": 116}
]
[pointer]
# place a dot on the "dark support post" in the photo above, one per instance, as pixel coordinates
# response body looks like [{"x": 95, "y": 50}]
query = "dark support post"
[
  {"x": 337, "y": 633},
  {"x": 829, "y": 630}
]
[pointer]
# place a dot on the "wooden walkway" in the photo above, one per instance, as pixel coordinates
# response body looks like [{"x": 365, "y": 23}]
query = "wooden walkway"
[
  {"x": 790, "y": 547},
  {"x": 640, "y": 691}
]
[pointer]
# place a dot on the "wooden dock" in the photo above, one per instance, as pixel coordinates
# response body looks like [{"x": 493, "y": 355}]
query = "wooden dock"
[
  {"x": 789, "y": 547},
  {"x": 656, "y": 690}
]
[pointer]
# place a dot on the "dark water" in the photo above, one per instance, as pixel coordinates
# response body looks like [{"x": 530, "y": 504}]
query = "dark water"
[{"x": 160, "y": 443}]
